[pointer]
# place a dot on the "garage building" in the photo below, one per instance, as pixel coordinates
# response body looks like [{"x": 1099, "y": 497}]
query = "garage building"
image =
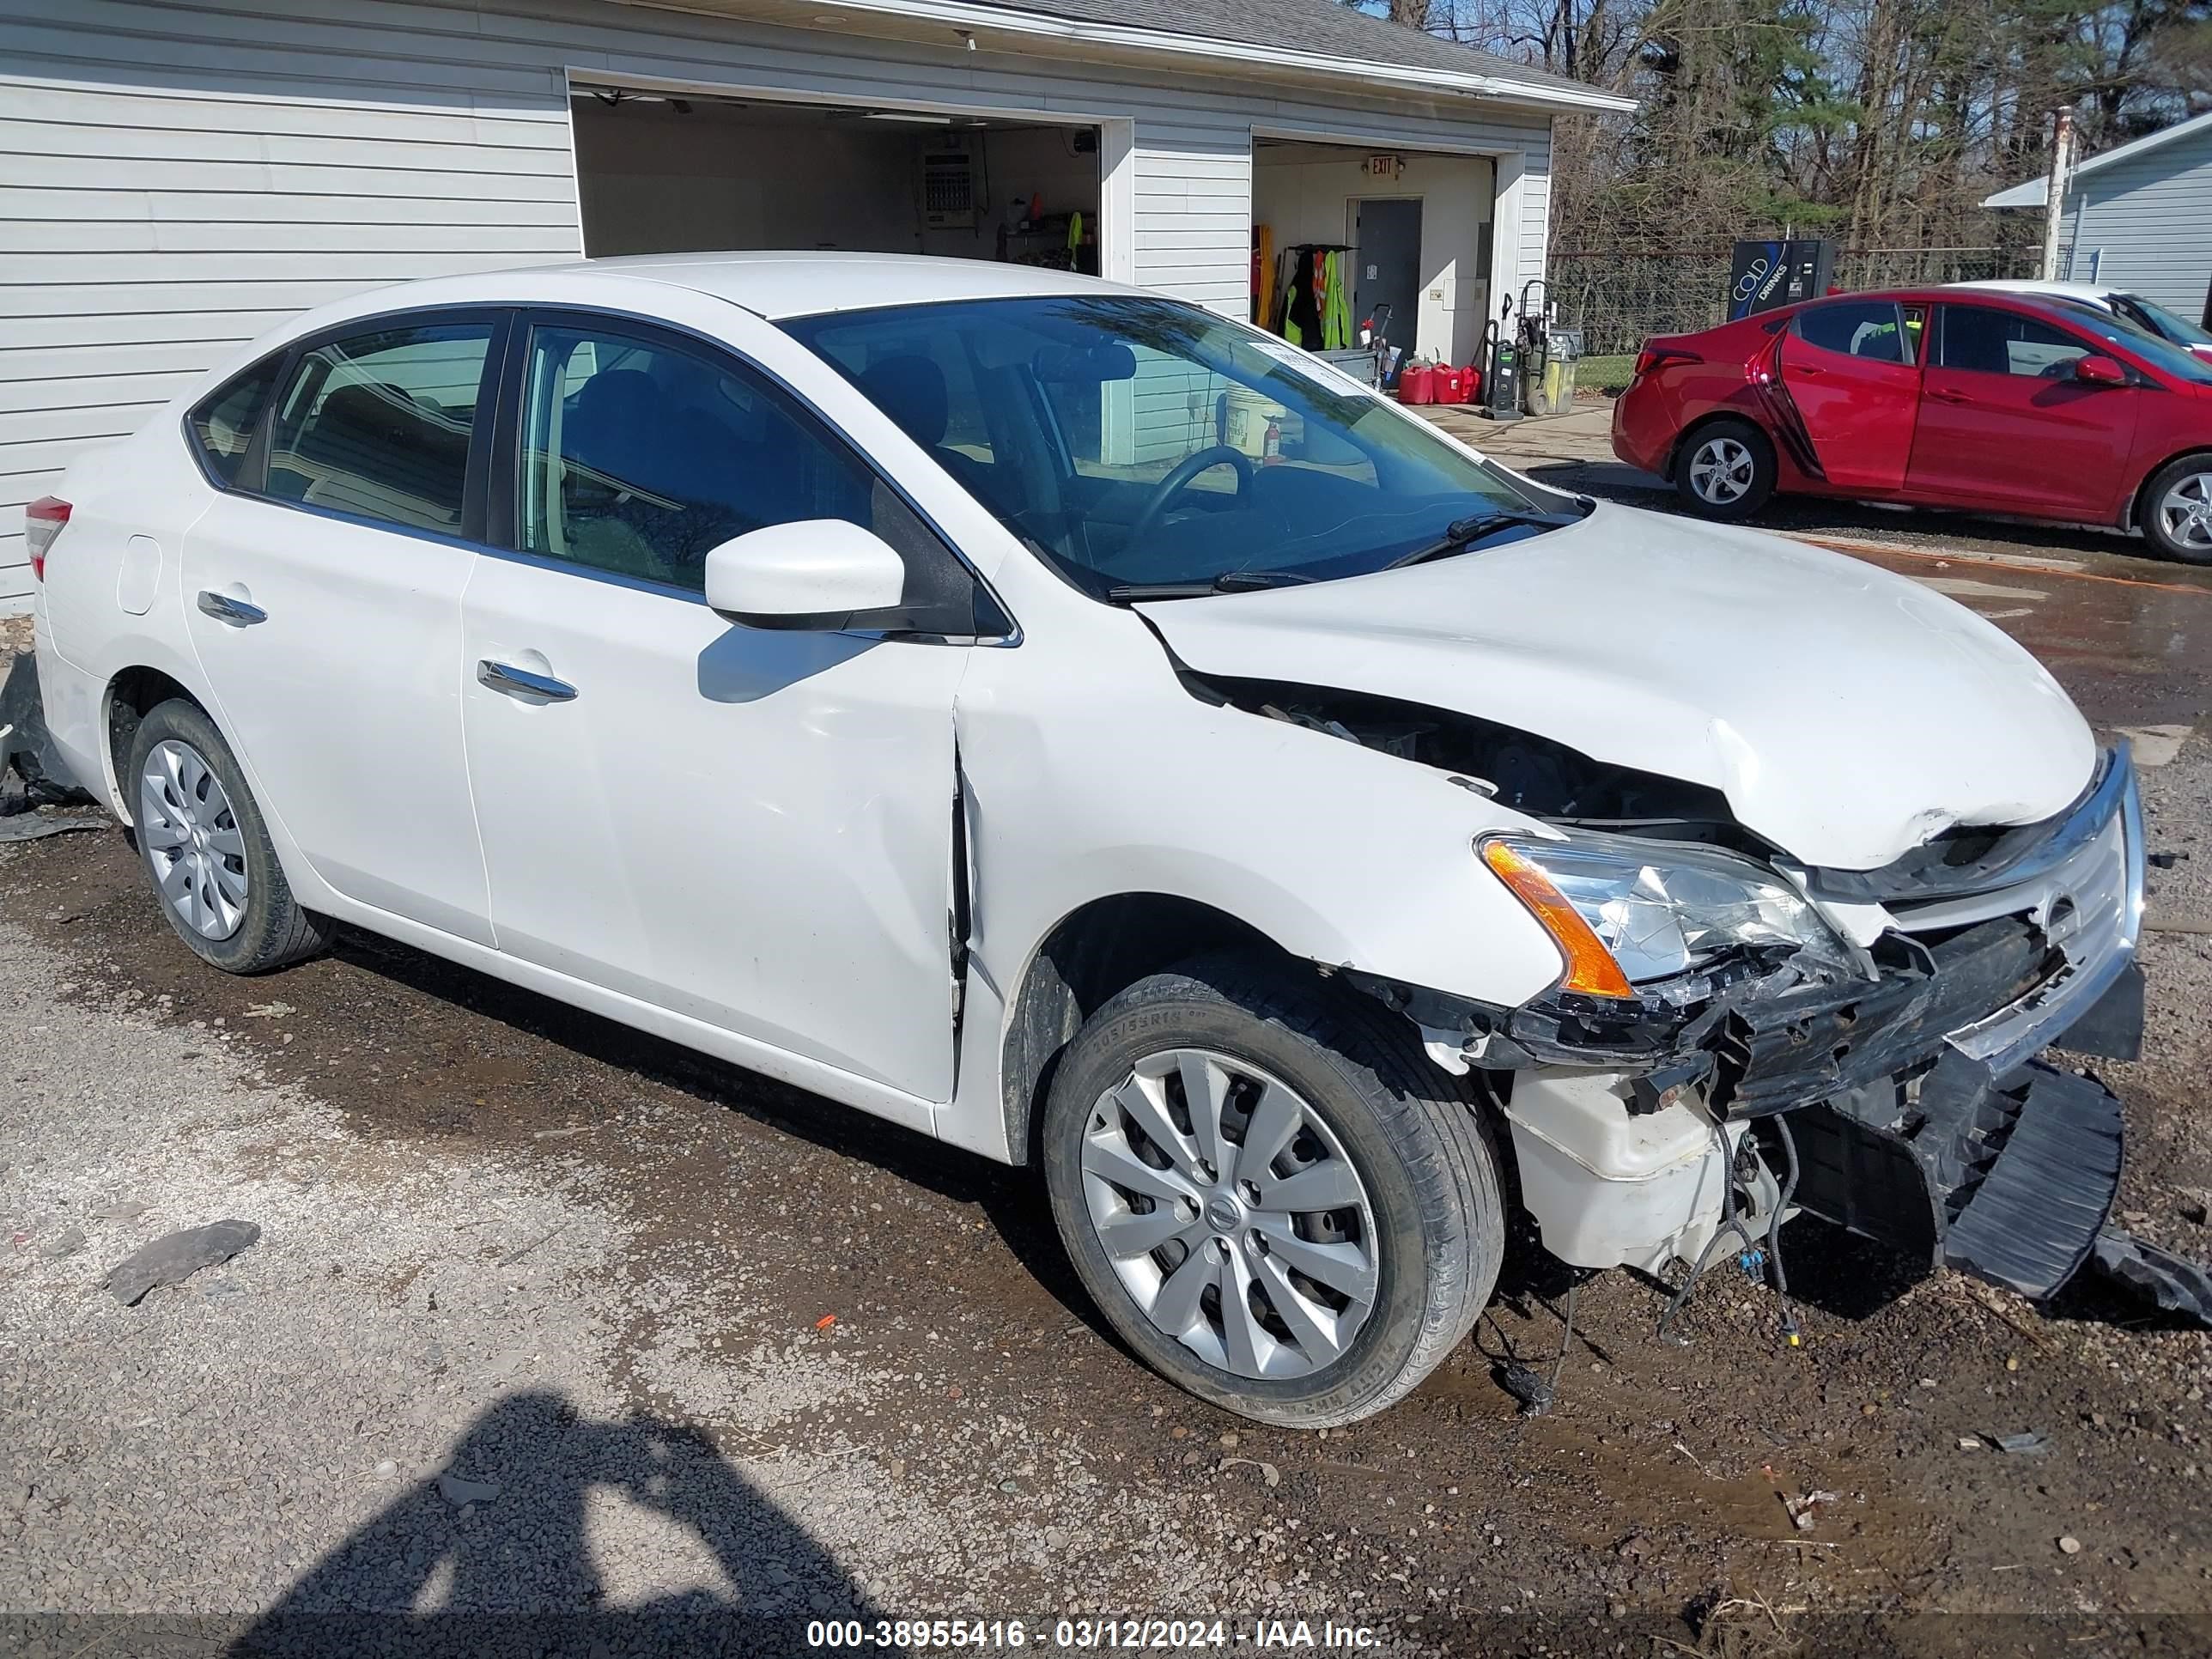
[
  {"x": 2137, "y": 217},
  {"x": 177, "y": 178}
]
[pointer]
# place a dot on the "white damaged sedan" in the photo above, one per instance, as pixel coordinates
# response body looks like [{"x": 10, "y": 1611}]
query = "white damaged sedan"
[{"x": 1088, "y": 731}]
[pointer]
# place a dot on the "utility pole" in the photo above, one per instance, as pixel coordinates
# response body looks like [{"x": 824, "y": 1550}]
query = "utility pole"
[{"x": 2054, "y": 193}]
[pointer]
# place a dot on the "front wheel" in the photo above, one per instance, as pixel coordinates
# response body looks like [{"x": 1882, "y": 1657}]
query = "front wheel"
[
  {"x": 2178, "y": 516},
  {"x": 1276, "y": 1198},
  {"x": 1725, "y": 471}
]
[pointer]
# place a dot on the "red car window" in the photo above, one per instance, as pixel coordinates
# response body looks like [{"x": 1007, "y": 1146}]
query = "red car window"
[
  {"x": 1991, "y": 342},
  {"x": 1854, "y": 328}
]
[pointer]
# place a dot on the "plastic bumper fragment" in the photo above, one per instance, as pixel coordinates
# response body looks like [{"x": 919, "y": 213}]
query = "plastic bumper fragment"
[
  {"x": 2176, "y": 1286},
  {"x": 2009, "y": 1179}
]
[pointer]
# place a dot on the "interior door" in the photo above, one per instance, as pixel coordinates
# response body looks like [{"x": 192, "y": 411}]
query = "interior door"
[
  {"x": 1387, "y": 266},
  {"x": 1848, "y": 369},
  {"x": 2004, "y": 424},
  {"x": 751, "y": 827},
  {"x": 323, "y": 599}
]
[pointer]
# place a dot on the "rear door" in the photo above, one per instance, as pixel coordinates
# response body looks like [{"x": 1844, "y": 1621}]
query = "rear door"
[
  {"x": 2005, "y": 426},
  {"x": 1848, "y": 370},
  {"x": 323, "y": 593}
]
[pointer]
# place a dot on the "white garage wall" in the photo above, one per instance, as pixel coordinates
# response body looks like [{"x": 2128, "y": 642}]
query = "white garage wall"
[{"x": 175, "y": 179}]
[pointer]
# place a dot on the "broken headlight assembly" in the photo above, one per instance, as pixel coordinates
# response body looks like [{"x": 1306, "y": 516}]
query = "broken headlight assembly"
[{"x": 1629, "y": 912}]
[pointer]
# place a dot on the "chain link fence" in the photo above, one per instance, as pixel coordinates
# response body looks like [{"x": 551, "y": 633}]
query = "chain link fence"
[{"x": 1619, "y": 299}]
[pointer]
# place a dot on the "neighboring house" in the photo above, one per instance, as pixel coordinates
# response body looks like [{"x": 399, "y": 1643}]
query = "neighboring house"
[
  {"x": 2138, "y": 218},
  {"x": 177, "y": 178}
]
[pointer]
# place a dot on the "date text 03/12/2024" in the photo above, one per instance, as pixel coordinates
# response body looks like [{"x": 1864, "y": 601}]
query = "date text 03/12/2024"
[{"x": 1126, "y": 1635}]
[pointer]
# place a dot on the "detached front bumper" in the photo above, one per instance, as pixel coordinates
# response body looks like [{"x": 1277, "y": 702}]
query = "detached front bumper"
[
  {"x": 1988, "y": 1160},
  {"x": 1918, "y": 1112}
]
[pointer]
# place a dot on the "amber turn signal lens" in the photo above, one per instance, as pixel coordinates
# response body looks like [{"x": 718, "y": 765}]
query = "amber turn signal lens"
[{"x": 1590, "y": 966}]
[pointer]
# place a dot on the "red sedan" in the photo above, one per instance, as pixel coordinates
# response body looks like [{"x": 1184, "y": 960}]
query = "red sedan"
[{"x": 1987, "y": 403}]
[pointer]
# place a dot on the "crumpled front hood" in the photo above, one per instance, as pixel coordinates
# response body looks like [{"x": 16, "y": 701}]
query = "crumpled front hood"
[{"x": 1846, "y": 714}]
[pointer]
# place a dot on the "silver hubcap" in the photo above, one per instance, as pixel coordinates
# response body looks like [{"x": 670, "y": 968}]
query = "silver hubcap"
[
  {"x": 1721, "y": 471},
  {"x": 2185, "y": 511},
  {"x": 192, "y": 839},
  {"x": 1230, "y": 1213}
]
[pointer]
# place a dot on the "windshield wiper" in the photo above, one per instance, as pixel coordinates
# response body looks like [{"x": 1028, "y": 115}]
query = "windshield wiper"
[
  {"x": 1462, "y": 534},
  {"x": 1229, "y": 581}
]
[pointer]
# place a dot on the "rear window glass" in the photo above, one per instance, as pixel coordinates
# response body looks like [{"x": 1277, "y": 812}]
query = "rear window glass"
[
  {"x": 377, "y": 425},
  {"x": 222, "y": 425},
  {"x": 1856, "y": 329}
]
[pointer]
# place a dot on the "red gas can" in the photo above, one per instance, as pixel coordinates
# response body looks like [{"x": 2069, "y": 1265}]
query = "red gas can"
[
  {"x": 1452, "y": 386},
  {"x": 1417, "y": 383}
]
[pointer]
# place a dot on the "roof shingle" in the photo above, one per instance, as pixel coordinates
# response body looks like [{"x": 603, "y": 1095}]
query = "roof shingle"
[{"x": 1321, "y": 27}]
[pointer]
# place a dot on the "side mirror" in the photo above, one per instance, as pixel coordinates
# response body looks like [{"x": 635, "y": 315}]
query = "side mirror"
[
  {"x": 2097, "y": 369},
  {"x": 820, "y": 574}
]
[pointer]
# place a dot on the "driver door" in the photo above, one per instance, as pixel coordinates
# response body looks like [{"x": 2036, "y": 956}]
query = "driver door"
[
  {"x": 749, "y": 828},
  {"x": 2004, "y": 424}
]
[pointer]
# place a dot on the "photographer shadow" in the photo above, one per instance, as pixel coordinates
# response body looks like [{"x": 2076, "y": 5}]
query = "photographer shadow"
[{"x": 515, "y": 1573}]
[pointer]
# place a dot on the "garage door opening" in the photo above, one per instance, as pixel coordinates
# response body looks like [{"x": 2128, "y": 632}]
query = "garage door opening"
[
  {"x": 660, "y": 172},
  {"x": 1338, "y": 232}
]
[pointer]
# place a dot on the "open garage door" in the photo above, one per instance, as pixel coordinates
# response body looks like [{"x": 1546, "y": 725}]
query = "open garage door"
[
  {"x": 663, "y": 172},
  {"x": 1411, "y": 230}
]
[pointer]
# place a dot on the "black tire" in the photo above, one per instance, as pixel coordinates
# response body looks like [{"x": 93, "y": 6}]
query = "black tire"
[
  {"x": 1688, "y": 474},
  {"x": 2154, "y": 528},
  {"x": 275, "y": 929},
  {"x": 1417, "y": 1139}
]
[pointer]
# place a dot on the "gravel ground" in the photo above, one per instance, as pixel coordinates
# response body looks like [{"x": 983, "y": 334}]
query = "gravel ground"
[{"x": 734, "y": 1359}]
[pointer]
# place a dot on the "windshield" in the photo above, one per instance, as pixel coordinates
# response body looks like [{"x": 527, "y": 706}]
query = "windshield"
[
  {"x": 2154, "y": 349},
  {"x": 1141, "y": 444},
  {"x": 2160, "y": 320}
]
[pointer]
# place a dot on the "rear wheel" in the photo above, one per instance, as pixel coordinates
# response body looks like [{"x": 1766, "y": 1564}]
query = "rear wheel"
[
  {"x": 1725, "y": 470},
  {"x": 2178, "y": 509},
  {"x": 207, "y": 850},
  {"x": 1274, "y": 1196}
]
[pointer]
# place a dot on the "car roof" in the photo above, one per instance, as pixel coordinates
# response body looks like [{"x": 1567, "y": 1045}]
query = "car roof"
[
  {"x": 768, "y": 285},
  {"x": 798, "y": 284},
  {"x": 2094, "y": 293},
  {"x": 2048, "y": 302}
]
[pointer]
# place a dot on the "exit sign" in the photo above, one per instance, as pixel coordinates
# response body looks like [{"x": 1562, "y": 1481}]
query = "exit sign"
[{"x": 1385, "y": 166}]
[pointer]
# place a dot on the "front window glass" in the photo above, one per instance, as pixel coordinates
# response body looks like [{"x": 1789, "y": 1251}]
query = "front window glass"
[
  {"x": 377, "y": 424},
  {"x": 1991, "y": 342},
  {"x": 1142, "y": 443},
  {"x": 2178, "y": 362},
  {"x": 640, "y": 457}
]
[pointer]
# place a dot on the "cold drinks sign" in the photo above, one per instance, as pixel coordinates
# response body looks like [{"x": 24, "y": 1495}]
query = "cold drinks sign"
[{"x": 1765, "y": 274}]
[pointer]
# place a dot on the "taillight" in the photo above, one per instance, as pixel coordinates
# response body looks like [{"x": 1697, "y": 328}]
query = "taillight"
[
  {"x": 1651, "y": 356},
  {"x": 42, "y": 521}
]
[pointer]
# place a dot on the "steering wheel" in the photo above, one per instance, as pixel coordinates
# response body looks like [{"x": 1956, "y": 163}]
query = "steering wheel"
[{"x": 1165, "y": 491}]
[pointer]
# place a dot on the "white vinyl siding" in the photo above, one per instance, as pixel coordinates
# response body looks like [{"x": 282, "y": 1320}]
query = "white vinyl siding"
[
  {"x": 177, "y": 178},
  {"x": 2146, "y": 223}
]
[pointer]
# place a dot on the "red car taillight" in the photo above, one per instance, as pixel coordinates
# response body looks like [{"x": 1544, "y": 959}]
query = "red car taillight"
[{"x": 42, "y": 521}]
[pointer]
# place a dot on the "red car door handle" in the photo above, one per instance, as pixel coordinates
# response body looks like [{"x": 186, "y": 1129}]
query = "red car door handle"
[{"x": 1945, "y": 396}]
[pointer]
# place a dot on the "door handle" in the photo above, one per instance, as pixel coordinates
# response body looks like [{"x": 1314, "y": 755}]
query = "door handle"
[
  {"x": 521, "y": 683},
  {"x": 1949, "y": 397},
  {"x": 223, "y": 608}
]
